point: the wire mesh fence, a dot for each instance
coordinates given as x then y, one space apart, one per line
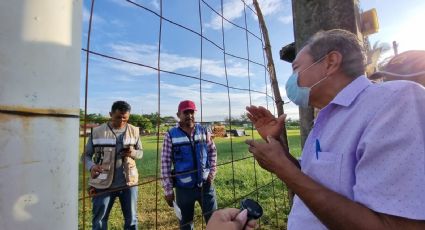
154 54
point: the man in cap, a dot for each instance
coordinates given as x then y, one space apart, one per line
363 163
188 163
409 65
110 157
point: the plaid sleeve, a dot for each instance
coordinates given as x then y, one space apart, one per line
167 182
212 155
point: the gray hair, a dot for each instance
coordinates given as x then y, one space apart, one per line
342 41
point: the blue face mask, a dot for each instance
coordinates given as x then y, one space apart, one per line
297 94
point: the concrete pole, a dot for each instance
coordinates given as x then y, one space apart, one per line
313 16
40 45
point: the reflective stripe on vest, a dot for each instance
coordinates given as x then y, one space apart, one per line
129 141
104 141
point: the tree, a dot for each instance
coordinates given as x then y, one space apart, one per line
290 122
99 119
170 120
244 118
374 55
153 117
92 118
140 121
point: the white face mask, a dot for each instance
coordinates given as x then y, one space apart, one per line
297 94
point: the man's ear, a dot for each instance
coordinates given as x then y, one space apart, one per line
110 114
333 62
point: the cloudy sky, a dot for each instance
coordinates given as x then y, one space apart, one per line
129 32
401 21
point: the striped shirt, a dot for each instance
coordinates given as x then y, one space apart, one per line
166 161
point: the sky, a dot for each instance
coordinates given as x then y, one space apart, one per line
131 32
400 21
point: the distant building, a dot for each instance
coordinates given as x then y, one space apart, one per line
89 127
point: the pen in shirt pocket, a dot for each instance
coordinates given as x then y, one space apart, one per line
318 149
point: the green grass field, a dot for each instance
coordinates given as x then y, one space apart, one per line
242 178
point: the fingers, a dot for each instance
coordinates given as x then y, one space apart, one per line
252 118
96 169
281 119
228 218
169 199
271 140
254 146
251 109
254 111
264 112
241 218
231 213
249 142
251 225
255 151
225 215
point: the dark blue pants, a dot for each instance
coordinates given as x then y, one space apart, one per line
102 206
186 198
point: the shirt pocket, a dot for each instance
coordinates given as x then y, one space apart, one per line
108 155
326 169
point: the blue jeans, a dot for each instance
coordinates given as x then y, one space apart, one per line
102 206
186 198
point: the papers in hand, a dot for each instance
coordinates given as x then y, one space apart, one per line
177 210
102 176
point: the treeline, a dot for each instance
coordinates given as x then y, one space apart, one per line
148 121
144 121
243 119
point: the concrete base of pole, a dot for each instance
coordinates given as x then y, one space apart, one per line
40 48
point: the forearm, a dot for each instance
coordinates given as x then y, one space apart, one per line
88 162
167 181
138 151
167 185
138 154
166 163
88 154
336 211
212 157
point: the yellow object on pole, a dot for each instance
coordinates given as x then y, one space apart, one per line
369 22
